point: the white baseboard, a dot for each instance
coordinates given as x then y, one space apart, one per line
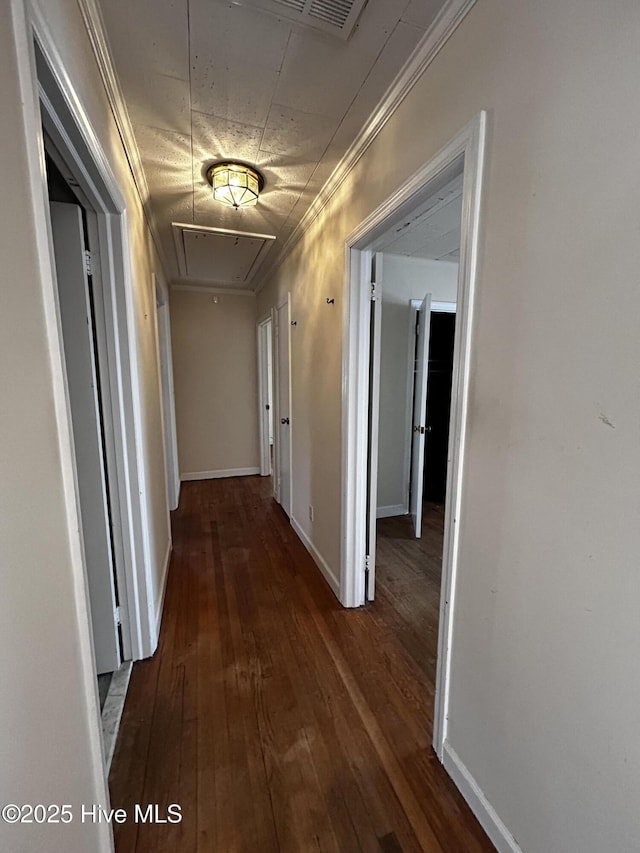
163 590
223 472
390 511
318 559
480 806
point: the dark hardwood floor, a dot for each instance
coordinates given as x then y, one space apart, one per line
408 572
278 720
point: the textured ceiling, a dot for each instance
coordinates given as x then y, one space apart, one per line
205 80
432 230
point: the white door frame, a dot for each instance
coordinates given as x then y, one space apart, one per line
277 379
376 279
275 333
55 106
167 393
467 152
263 392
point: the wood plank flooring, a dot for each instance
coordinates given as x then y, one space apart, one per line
278 720
408 572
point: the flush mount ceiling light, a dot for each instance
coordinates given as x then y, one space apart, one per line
235 184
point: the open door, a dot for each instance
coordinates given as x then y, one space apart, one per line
76 316
374 411
283 425
265 395
423 325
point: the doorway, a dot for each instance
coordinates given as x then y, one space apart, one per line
462 159
410 527
88 186
265 397
440 376
87 386
282 398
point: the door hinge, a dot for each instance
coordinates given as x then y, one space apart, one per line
367 565
116 615
88 262
373 292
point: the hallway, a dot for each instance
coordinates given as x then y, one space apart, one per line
276 719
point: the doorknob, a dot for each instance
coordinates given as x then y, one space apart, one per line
284 420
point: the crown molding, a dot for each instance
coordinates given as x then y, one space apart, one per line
94 25
434 39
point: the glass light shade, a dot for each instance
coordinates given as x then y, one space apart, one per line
235 184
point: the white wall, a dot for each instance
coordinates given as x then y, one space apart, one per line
216 382
544 696
404 279
49 719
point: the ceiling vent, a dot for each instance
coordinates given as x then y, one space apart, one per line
219 256
337 17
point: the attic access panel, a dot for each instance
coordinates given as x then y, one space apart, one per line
337 17
218 255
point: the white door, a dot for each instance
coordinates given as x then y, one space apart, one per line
273 403
375 328
265 396
419 433
283 424
269 354
82 381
